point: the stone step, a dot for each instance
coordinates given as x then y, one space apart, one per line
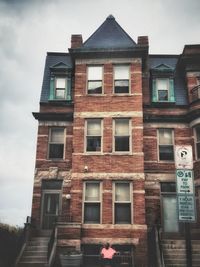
35 253
33 259
36 248
32 264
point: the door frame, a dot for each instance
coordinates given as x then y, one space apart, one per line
48 191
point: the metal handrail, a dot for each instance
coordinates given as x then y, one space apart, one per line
23 239
159 250
52 246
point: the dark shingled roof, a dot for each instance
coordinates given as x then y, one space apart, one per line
52 60
109 35
179 84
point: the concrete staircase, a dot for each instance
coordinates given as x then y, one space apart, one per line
175 255
35 253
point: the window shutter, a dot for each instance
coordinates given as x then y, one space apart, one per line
154 91
68 89
51 93
171 91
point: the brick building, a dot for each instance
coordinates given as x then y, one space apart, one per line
110 116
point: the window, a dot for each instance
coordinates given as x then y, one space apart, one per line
94 85
93 135
121 79
60 88
197 130
121 135
166 148
163 90
122 203
92 202
56 143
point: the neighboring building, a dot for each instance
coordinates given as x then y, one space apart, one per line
110 117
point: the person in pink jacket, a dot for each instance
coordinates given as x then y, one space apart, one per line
107 254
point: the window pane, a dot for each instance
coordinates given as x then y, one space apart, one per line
95 73
166 153
165 137
57 135
121 72
92 213
94 127
60 93
198 150
162 95
122 213
60 82
92 192
122 143
122 192
94 87
56 151
168 187
162 84
121 86
121 127
93 144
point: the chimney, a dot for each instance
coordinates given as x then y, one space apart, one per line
143 40
76 40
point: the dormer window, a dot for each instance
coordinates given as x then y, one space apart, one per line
162 84
60 82
60 86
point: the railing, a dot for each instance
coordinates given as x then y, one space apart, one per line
52 246
159 246
155 247
24 237
195 93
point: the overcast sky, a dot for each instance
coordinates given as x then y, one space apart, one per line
28 29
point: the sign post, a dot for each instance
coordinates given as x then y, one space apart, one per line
185 193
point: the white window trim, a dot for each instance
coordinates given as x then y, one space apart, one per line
130 137
173 144
55 88
102 80
113 201
129 80
100 201
85 139
168 91
64 143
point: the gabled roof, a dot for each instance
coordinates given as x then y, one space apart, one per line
109 35
60 65
162 67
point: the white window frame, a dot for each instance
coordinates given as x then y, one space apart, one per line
130 136
125 202
90 80
168 91
101 136
97 202
49 142
114 79
62 88
158 143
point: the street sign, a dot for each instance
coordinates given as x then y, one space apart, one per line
186 208
183 157
184 182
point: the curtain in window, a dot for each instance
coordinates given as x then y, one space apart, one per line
162 84
95 73
121 72
121 127
92 192
94 127
60 83
122 192
165 137
57 135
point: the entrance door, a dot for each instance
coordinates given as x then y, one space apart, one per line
170 217
50 210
